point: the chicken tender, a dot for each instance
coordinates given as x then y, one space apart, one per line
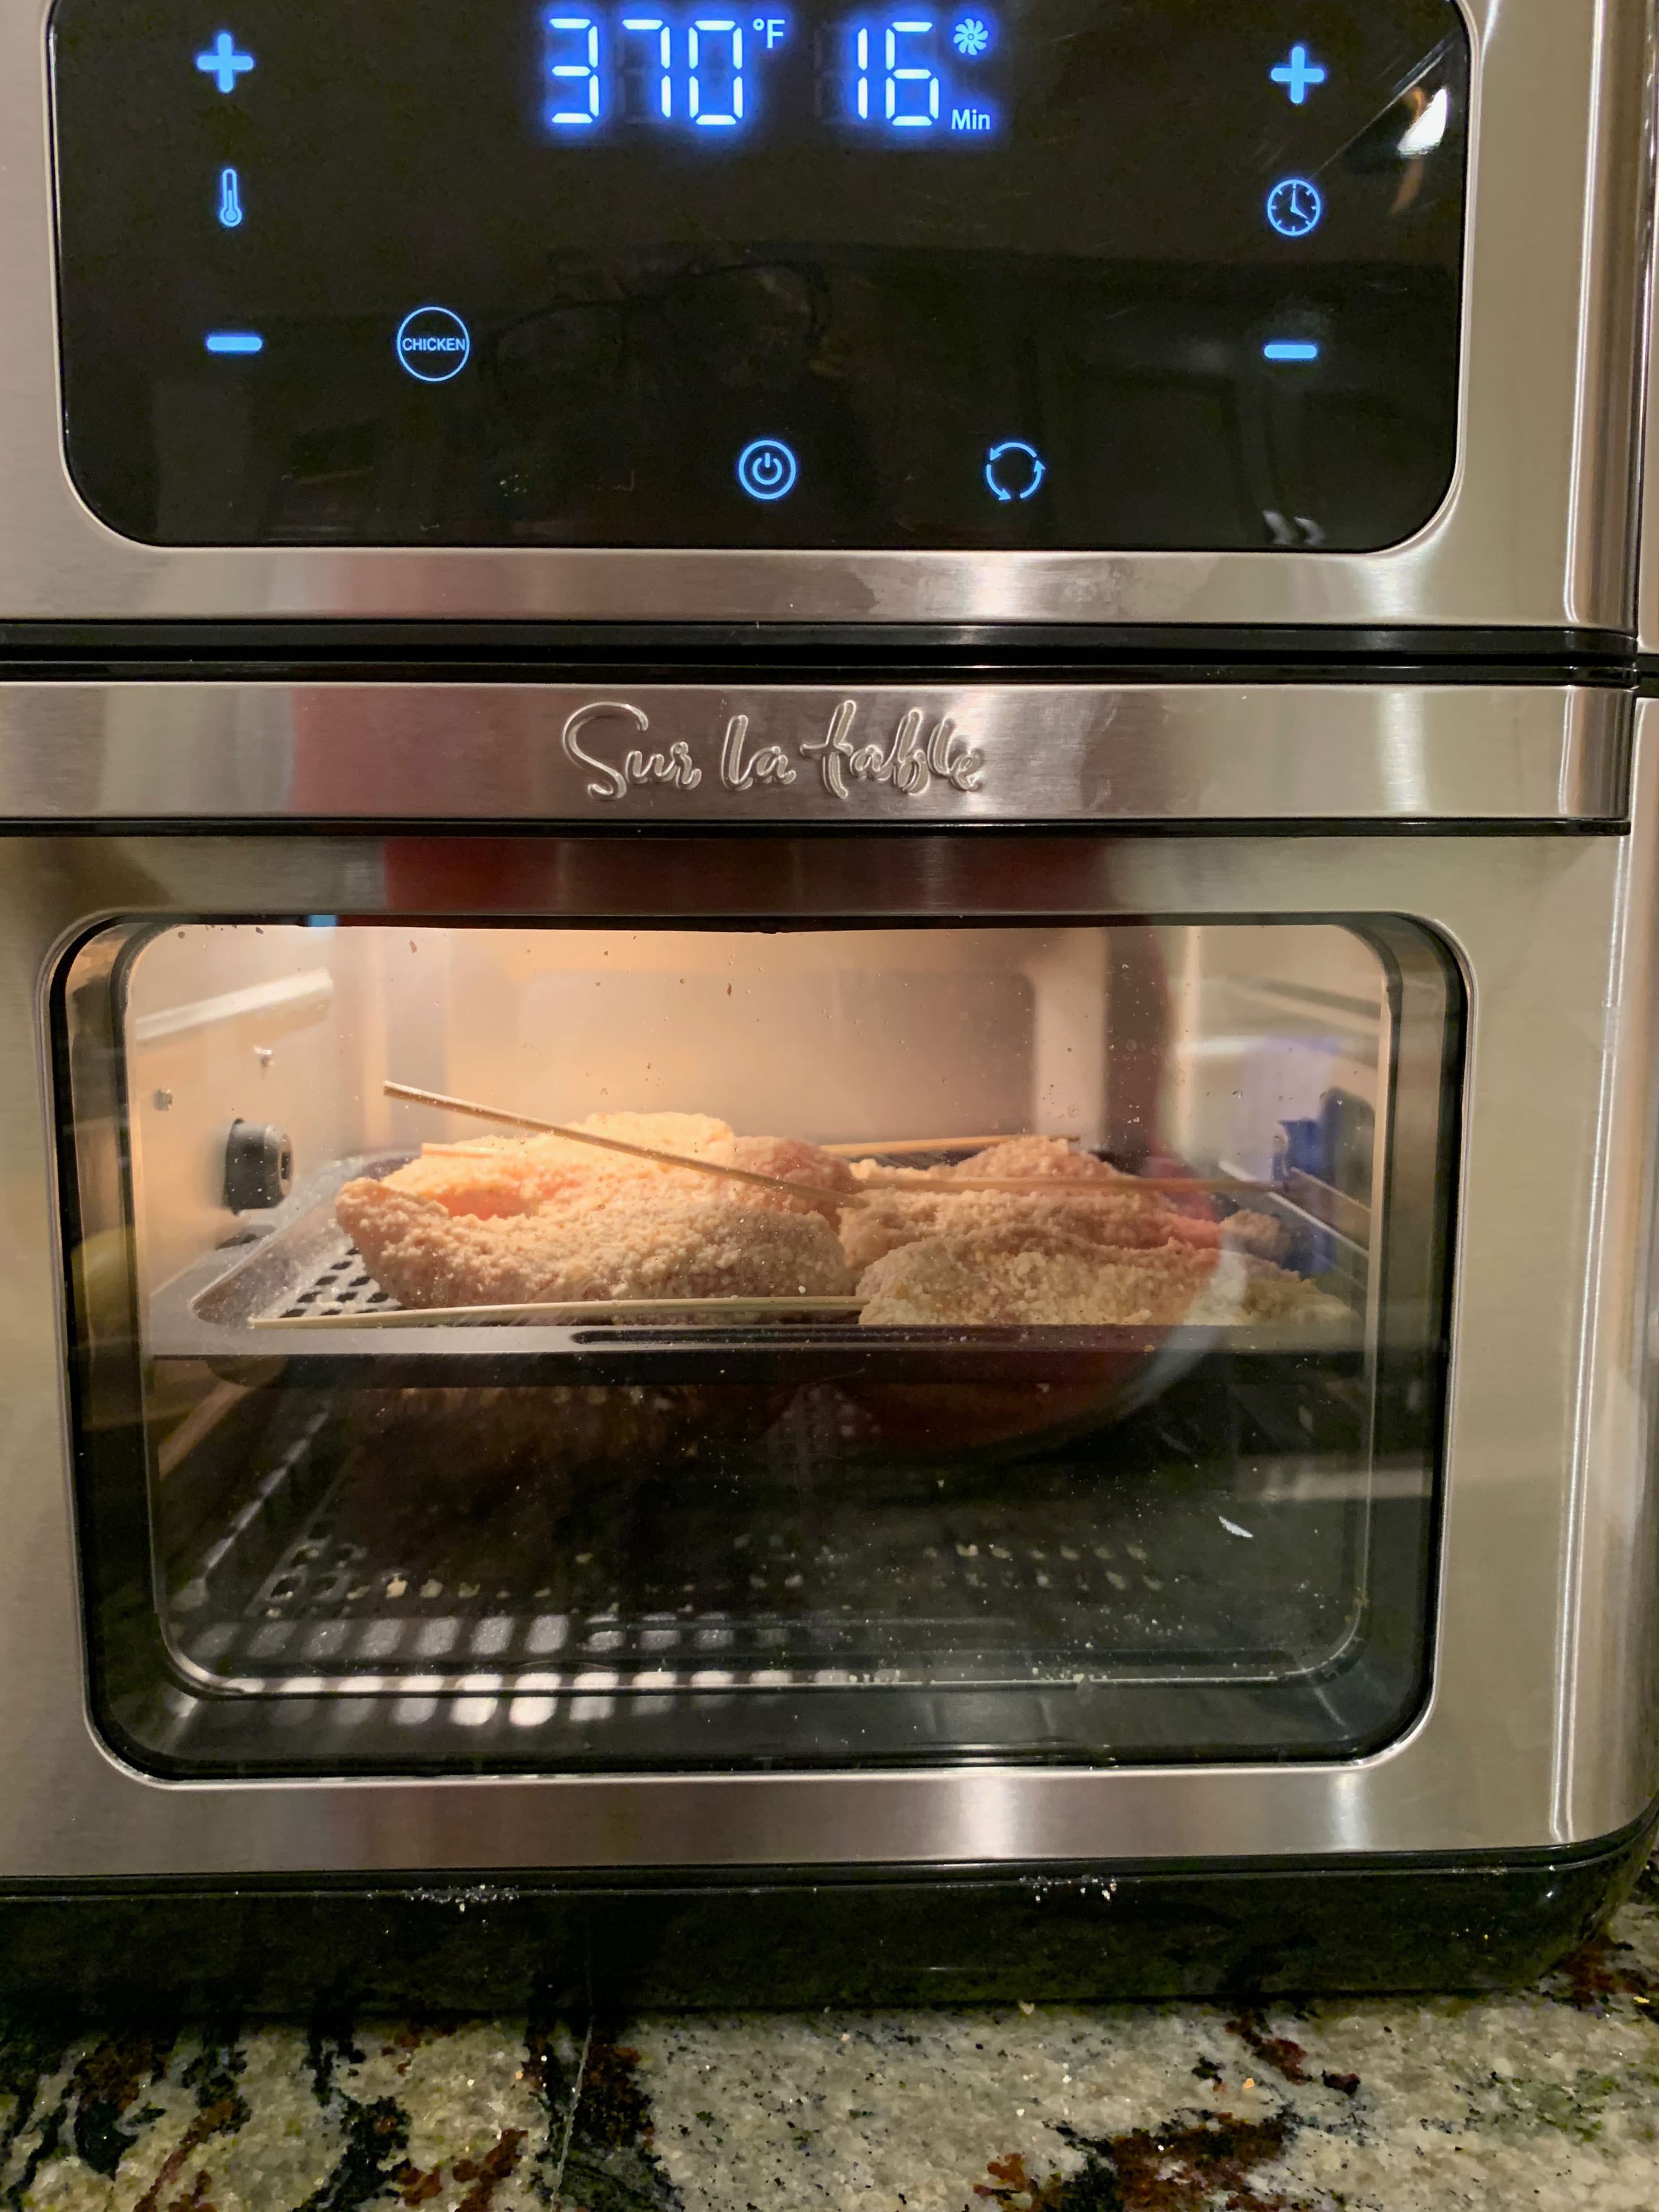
890 1219
792 1161
1010 1160
1016 1157
556 1161
1011 1278
622 1237
486 1180
1091 1201
493 1176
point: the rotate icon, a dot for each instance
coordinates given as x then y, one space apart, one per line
1014 470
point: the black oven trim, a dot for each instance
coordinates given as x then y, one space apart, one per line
482 652
169 1949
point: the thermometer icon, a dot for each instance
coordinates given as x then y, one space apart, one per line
230 198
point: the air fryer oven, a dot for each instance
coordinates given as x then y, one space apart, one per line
1002 640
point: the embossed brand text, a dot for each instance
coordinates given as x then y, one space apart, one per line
908 761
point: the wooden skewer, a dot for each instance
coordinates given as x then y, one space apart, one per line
872 1145
448 1105
1064 1186
912 1179
898 1179
566 1310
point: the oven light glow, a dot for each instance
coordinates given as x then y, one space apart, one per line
1423 135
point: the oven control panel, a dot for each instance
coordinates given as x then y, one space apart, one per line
1073 274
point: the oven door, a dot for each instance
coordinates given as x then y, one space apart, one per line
1354 346
1172 1382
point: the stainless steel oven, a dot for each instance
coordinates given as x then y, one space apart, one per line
827 1062
1176 1460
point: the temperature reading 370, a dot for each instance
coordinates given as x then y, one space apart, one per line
917 75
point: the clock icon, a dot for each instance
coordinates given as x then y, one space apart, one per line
1294 207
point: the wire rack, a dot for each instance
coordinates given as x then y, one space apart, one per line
786 1562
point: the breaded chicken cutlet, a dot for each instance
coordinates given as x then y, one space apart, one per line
1015 1277
549 1219
522 1221
1091 1199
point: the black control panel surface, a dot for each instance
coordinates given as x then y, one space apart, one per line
1091 274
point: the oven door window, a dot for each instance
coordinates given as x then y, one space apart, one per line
1001 1343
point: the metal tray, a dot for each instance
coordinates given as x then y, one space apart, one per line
305 1264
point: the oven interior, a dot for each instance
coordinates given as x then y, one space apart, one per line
1035 1483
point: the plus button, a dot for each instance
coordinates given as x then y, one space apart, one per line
1299 75
223 63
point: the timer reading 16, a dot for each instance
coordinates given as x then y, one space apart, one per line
710 72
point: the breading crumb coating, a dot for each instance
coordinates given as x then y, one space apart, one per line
628 1237
1013 1278
506 1221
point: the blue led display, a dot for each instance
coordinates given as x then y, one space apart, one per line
692 71
914 74
895 78
1295 206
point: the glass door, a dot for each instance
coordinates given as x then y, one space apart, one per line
576 1348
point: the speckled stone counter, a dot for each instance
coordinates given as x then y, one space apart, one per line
1546 2099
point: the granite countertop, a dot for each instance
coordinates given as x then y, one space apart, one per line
1546 2099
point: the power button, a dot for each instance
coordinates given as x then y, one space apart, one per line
767 469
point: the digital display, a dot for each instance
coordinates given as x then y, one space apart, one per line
1067 273
912 71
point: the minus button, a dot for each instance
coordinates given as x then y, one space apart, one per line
1289 350
234 342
